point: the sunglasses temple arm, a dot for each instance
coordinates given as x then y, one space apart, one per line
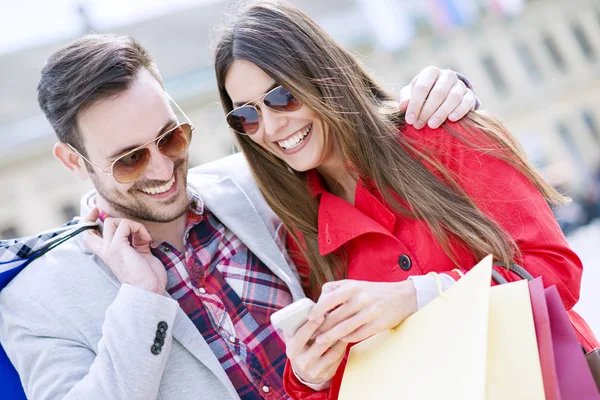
178 108
88 161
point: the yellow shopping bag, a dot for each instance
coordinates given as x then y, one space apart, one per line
472 342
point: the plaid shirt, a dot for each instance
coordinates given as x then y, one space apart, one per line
229 294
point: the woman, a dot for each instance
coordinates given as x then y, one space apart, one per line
368 201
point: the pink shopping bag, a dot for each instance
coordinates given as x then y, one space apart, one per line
575 380
543 331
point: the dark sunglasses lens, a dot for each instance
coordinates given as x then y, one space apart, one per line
244 120
281 99
131 166
176 141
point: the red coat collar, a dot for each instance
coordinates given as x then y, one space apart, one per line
339 221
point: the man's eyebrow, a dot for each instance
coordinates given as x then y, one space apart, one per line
162 130
241 103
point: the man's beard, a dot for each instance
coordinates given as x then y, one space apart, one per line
132 206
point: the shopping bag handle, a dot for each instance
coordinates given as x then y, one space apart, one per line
514 268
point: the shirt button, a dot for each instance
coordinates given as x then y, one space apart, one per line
266 389
232 339
166 249
404 262
202 290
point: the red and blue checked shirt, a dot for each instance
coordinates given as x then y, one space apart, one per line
229 294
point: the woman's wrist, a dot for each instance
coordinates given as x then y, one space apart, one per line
317 387
407 304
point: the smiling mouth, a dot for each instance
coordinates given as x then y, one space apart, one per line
162 188
295 141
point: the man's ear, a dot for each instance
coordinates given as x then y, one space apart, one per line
71 160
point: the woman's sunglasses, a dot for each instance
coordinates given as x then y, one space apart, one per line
245 119
131 165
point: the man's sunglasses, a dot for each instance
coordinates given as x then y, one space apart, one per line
131 165
245 119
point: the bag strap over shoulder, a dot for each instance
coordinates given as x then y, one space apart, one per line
29 248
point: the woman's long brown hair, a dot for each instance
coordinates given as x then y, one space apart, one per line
292 49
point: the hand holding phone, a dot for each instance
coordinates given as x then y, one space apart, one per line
292 317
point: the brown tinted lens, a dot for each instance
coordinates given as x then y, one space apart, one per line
244 120
176 141
281 99
131 166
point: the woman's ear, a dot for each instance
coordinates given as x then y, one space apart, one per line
71 160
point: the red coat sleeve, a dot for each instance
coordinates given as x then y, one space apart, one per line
291 384
507 197
299 391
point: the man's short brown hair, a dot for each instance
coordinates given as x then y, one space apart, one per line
92 68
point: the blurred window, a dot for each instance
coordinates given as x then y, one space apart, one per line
524 53
9 232
567 137
555 53
583 41
493 72
590 123
574 150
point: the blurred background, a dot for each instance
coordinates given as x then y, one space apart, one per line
534 63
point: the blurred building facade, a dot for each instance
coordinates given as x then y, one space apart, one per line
537 67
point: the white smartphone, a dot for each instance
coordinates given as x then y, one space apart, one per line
292 317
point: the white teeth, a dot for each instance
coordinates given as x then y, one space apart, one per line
295 140
160 189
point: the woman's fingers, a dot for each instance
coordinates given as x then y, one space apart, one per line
298 343
329 301
328 364
341 313
345 328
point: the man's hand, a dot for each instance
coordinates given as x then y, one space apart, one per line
434 96
125 248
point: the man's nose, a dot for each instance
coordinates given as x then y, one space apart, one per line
160 167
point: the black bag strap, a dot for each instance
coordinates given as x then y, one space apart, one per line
60 239
30 248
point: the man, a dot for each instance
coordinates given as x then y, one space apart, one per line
172 299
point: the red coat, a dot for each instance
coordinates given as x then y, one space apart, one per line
384 246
